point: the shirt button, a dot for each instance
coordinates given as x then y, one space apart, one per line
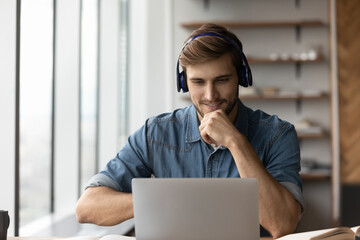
212 157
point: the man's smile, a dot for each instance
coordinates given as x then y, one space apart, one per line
213 106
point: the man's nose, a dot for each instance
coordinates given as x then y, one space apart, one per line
211 92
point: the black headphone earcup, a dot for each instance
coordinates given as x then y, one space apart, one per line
182 81
243 81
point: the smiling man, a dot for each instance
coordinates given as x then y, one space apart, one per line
216 136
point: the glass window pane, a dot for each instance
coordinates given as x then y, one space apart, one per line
35 108
89 69
123 72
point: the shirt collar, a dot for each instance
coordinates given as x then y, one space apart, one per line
192 130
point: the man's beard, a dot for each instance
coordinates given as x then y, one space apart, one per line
228 108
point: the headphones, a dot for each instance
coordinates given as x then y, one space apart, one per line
243 71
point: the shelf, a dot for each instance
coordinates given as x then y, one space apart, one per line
319 135
279 60
237 24
276 97
315 176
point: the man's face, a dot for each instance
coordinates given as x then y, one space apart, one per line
213 85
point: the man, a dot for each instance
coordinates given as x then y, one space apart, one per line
216 136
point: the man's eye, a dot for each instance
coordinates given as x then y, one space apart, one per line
220 80
197 82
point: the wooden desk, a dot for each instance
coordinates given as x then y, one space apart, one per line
51 238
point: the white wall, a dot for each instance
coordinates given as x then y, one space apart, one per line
150 61
7 108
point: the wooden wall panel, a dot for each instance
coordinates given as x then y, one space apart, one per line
348 49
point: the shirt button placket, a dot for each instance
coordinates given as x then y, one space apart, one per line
210 166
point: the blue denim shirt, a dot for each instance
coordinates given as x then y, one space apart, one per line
170 146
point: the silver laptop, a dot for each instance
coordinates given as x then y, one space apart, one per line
196 208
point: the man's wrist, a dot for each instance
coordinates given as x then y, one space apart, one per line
236 141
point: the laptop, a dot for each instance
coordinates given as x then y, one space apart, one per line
196 208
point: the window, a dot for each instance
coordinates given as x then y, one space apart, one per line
36 46
60 84
88 90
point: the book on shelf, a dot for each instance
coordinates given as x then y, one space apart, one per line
311 93
339 233
307 127
310 130
288 93
312 166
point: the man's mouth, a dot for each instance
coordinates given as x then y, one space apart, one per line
213 106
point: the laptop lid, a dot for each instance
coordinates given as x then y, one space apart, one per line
196 208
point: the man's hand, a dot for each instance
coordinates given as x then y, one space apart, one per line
216 128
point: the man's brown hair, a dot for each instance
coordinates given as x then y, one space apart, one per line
206 48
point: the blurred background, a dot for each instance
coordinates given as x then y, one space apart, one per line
78 76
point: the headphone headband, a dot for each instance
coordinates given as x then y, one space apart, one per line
244 71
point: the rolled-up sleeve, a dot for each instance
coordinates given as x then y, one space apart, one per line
284 161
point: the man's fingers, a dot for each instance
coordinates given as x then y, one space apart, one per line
206 138
205 127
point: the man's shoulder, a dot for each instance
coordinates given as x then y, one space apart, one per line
176 116
170 129
261 118
268 126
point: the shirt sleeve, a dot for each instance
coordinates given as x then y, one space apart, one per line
296 192
130 162
283 161
101 179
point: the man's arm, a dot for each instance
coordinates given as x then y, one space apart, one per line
104 206
107 199
279 211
